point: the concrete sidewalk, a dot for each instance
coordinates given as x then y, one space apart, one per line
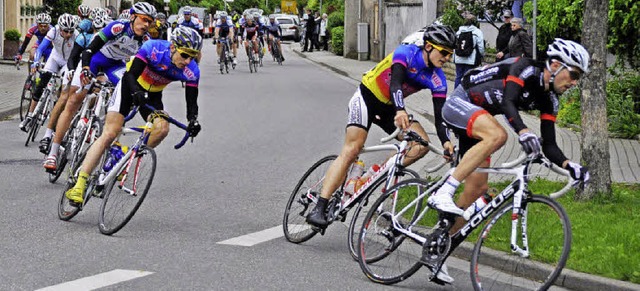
625 153
625 156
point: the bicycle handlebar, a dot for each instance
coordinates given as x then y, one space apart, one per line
167 118
540 159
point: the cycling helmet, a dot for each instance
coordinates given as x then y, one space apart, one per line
272 17
186 38
186 10
43 18
440 35
67 21
124 15
143 8
223 14
84 10
84 25
569 52
95 12
100 21
161 16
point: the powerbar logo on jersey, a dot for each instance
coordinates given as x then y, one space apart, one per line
435 79
527 72
189 74
117 28
484 75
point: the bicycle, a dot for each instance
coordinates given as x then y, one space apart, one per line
132 174
225 58
43 107
84 129
254 58
275 51
305 194
542 221
28 89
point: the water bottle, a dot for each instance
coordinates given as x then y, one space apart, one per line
114 155
365 177
354 177
477 206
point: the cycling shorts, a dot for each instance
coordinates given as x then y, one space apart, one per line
57 64
365 109
459 114
114 69
122 102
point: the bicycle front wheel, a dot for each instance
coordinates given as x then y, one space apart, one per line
122 201
386 255
25 98
296 229
376 190
546 228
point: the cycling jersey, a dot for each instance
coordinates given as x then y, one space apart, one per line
273 28
193 23
251 30
224 27
419 76
504 88
160 71
33 31
61 46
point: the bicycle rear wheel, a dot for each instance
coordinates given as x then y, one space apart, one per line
385 255
296 229
548 233
62 163
122 201
376 190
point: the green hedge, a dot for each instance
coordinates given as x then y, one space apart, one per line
12 35
623 105
335 19
337 40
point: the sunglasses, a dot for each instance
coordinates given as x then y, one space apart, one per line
68 30
145 18
573 73
443 50
187 53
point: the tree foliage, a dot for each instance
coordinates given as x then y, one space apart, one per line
564 18
55 8
490 10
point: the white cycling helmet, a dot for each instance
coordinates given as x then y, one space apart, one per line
67 21
144 8
100 21
125 15
43 18
570 53
84 10
186 10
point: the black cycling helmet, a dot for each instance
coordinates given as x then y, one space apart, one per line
442 35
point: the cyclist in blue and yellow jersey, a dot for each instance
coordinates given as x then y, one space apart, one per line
191 21
87 30
224 28
157 63
274 31
380 99
107 53
39 30
505 88
61 37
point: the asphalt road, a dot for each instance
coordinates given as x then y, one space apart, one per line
260 133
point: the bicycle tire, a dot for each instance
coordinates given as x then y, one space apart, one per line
544 236
296 229
62 163
383 255
362 207
25 98
113 202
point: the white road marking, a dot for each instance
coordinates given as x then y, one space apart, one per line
255 238
98 281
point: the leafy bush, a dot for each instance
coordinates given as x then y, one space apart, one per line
451 15
337 40
12 35
336 19
623 105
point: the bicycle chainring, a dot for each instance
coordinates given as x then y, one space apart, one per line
436 247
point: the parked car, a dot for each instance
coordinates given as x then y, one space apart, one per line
291 28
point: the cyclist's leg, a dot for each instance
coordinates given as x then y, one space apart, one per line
44 79
160 128
355 137
254 39
280 48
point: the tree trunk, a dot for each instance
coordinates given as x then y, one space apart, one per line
595 140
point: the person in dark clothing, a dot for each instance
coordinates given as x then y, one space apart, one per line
308 36
504 35
520 44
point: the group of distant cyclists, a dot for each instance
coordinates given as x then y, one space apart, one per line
91 45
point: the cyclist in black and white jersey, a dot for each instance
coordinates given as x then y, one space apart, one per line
505 88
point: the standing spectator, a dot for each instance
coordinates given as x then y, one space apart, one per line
316 30
470 42
323 33
516 8
520 44
504 35
310 28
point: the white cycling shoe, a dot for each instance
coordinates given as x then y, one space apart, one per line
444 203
443 275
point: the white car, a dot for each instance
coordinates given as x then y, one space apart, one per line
291 29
